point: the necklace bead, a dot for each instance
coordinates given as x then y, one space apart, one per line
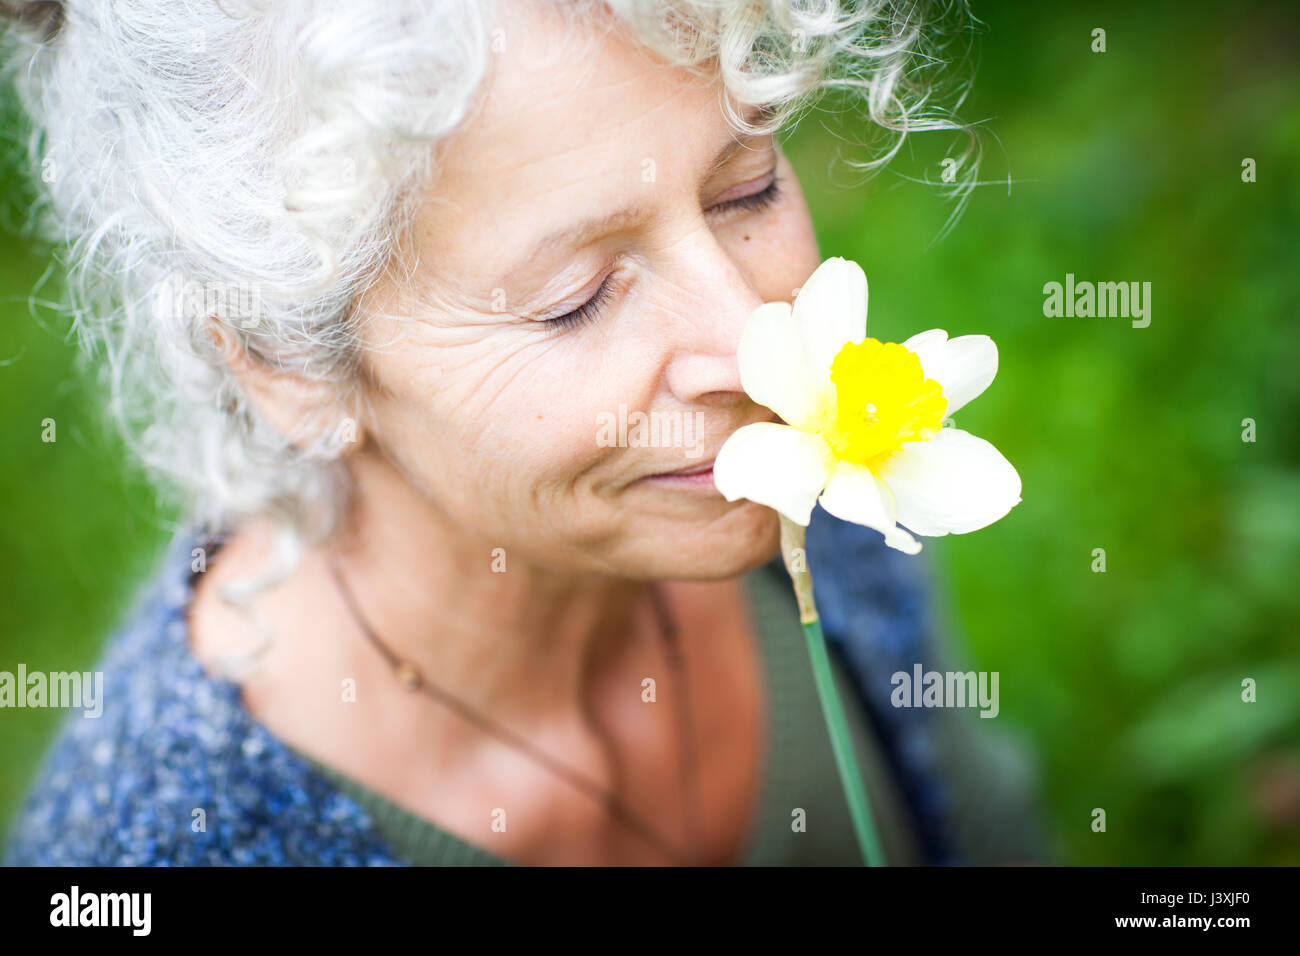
408 676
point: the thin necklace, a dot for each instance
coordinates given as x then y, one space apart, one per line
412 679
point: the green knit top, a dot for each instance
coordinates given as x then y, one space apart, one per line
799 770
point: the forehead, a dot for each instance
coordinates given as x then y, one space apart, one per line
572 115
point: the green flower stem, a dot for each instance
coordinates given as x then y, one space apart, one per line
796 563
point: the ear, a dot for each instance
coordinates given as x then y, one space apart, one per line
303 411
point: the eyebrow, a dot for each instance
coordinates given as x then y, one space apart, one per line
584 230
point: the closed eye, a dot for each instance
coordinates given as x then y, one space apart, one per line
759 200
584 313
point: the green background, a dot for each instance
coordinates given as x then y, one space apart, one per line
1124 166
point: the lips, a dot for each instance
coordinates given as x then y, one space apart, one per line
686 472
705 467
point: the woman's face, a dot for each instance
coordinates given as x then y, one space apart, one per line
594 183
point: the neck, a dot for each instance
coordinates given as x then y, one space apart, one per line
500 632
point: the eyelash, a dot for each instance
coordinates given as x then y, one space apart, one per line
589 310
585 312
759 200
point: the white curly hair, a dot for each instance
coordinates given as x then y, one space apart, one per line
257 160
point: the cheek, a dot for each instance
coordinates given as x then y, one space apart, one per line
491 427
781 251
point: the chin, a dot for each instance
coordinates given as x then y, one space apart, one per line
745 537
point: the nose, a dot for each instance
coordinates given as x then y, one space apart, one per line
712 299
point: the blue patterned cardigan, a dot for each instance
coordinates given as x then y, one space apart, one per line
124 788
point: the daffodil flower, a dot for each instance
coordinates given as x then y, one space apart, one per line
862 428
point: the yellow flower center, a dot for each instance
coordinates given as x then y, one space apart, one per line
882 399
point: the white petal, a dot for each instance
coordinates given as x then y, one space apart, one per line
953 483
773 369
854 495
964 366
831 309
775 465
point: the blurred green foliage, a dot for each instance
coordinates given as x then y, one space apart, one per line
79 528
1115 166
1124 166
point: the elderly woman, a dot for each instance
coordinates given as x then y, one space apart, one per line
364 279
